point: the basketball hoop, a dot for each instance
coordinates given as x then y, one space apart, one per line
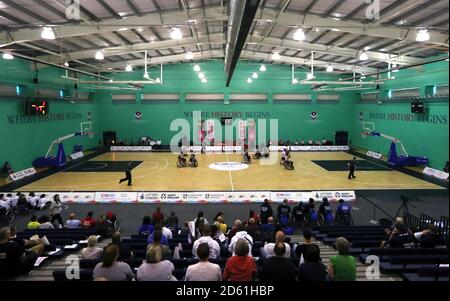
89 134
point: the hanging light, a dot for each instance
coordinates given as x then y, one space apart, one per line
99 55
249 80
201 75
176 34
299 35
197 68
330 68
146 75
423 35
158 80
255 75
189 55
309 76
276 56
363 76
128 68
66 63
204 80
263 68
111 80
8 56
295 81
48 33
363 56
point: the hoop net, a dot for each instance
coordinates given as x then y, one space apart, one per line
86 129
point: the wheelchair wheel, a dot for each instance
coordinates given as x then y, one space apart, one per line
194 164
180 165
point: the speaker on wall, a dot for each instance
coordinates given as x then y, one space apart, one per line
341 138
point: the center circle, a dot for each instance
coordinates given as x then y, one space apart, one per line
228 166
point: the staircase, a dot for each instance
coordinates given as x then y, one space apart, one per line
327 251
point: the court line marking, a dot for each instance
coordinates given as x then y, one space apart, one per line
229 173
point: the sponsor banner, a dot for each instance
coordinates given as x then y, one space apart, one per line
230 149
214 149
131 148
435 173
116 197
374 155
76 197
334 196
292 197
311 148
76 156
22 174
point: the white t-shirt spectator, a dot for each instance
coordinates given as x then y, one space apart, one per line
4 204
268 249
167 232
12 201
119 271
161 271
42 201
214 248
73 224
33 201
204 271
46 225
91 253
241 235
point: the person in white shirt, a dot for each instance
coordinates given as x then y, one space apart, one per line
91 251
153 269
167 233
204 270
33 200
12 200
241 234
44 223
3 203
214 248
42 201
73 223
269 248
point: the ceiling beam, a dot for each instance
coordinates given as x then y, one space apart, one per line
26 11
423 6
395 10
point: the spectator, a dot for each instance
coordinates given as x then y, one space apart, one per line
164 240
301 249
266 211
158 216
252 214
241 234
429 238
240 267
88 222
147 227
43 202
253 229
72 222
219 214
343 266
124 251
110 269
16 260
153 269
278 268
91 251
268 230
203 270
269 249
167 232
172 221
234 229
399 237
157 236
283 212
312 269
3 203
56 208
44 223
22 202
103 226
33 201
223 228
198 227
214 247
25 244
298 214
33 223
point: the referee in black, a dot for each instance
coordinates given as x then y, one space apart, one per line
128 176
352 168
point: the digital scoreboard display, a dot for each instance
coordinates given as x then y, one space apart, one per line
37 107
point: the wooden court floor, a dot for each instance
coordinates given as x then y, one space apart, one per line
158 172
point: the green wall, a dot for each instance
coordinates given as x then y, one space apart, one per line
22 142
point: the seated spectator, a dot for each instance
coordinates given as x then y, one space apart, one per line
72 222
166 253
214 247
218 214
278 268
158 216
223 228
147 227
153 269
268 230
269 249
399 237
312 269
253 230
164 240
301 249
166 232
33 223
44 223
91 251
343 266
234 229
125 252
14 258
172 221
240 267
22 202
88 222
265 212
252 214
33 201
429 238
25 244
103 226
241 234
42 202
110 268
203 270
4 205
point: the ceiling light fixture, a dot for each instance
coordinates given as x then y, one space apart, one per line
255 75
128 68
8 56
201 75
299 35
189 55
66 63
263 68
363 56
276 56
204 80
423 35
197 68
330 68
146 75
249 80
176 34
309 76
48 33
99 56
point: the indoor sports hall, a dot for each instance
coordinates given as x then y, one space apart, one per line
258 126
